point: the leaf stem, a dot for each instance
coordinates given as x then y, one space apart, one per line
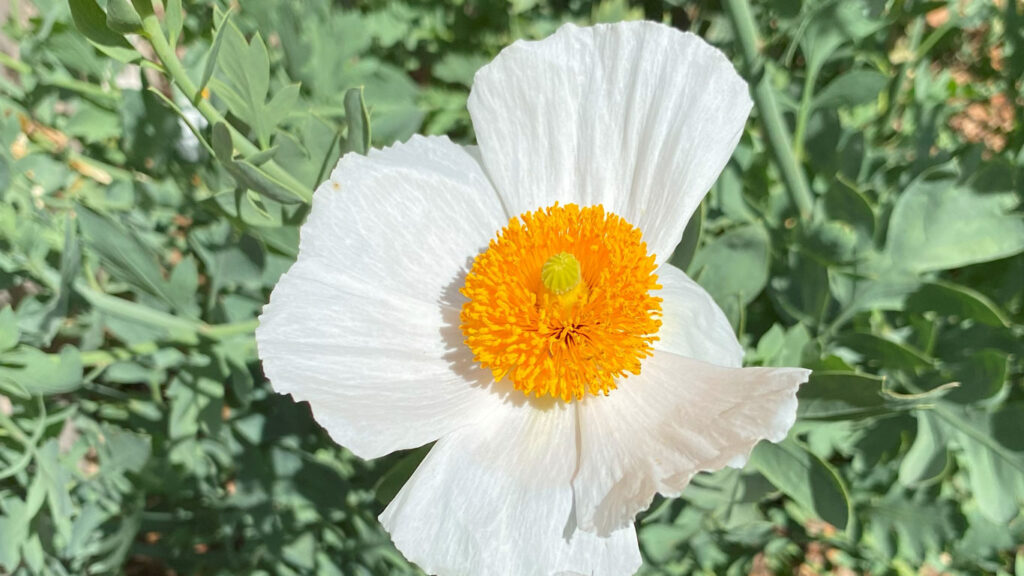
14 64
177 329
104 357
804 113
775 128
174 69
225 331
105 98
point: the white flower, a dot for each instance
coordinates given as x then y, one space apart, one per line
619 376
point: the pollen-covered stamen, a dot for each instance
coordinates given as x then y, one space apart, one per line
561 304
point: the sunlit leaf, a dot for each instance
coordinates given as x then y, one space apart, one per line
92 22
805 478
733 267
122 17
358 120
37 372
939 224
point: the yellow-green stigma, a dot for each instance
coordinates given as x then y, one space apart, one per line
561 273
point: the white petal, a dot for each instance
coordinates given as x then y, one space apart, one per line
636 116
406 219
365 324
496 499
678 417
692 324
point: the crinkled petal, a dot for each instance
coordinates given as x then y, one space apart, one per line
406 219
365 324
678 417
496 499
692 324
636 116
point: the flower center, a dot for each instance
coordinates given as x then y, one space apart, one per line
561 273
560 302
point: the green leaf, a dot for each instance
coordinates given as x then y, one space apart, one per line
844 229
70 261
687 248
124 451
37 372
121 17
184 285
981 375
94 124
247 174
213 55
997 486
829 395
33 555
927 457
139 316
127 258
1005 427
831 24
456 68
876 284
661 542
222 144
240 261
885 352
782 347
301 553
194 402
805 478
852 89
284 102
244 79
951 299
144 7
15 525
58 486
982 430
920 527
313 153
174 19
92 23
262 157
9 332
5 175
733 268
358 120
802 290
259 181
396 476
85 526
939 224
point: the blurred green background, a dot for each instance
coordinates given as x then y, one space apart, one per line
869 227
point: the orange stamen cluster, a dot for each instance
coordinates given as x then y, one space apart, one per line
564 345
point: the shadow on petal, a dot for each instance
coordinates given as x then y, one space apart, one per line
460 357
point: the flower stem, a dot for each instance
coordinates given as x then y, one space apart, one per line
174 69
779 139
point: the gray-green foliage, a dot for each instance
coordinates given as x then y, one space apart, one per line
147 212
